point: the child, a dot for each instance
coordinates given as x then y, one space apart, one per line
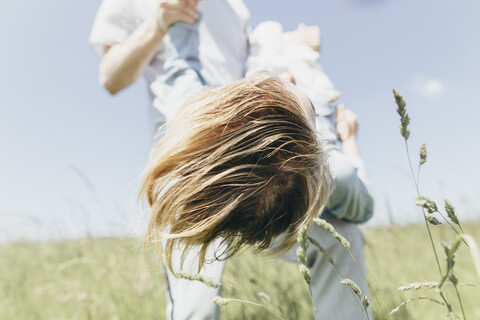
242 164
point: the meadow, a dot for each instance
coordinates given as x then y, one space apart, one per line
120 279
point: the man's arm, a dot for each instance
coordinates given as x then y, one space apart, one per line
123 63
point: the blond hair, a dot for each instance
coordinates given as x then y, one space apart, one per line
241 163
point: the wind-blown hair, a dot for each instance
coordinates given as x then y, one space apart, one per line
241 163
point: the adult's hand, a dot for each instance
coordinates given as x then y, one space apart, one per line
171 11
123 63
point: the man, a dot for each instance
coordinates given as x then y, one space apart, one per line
130 36
134 33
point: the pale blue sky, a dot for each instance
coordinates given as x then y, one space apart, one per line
71 154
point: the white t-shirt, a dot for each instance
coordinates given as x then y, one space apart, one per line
223 38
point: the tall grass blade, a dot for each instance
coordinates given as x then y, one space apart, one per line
474 252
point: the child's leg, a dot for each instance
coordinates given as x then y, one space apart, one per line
182 76
304 64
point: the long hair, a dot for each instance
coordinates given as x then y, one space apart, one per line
241 163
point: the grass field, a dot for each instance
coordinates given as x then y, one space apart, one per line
118 279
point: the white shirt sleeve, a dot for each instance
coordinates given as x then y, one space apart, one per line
113 24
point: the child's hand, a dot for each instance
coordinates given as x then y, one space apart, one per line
346 123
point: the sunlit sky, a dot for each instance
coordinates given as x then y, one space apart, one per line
71 154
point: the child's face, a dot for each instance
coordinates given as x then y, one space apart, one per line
302 98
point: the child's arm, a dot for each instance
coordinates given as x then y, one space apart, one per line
352 199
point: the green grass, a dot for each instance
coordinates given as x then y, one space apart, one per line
398 256
117 279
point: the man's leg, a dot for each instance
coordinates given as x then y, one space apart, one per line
334 300
187 299
349 199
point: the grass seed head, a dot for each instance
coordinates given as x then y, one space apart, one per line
322 250
433 221
423 154
426 203
450 209
198 277
305 273
302 255
302 237
327 226
220 301
402 112
365 302
418 285
352 285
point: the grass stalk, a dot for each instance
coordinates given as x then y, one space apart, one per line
368 284
423 210
223 301
328 227
450 224
256 303
403 304
448 305
460 301
313 301
330 260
